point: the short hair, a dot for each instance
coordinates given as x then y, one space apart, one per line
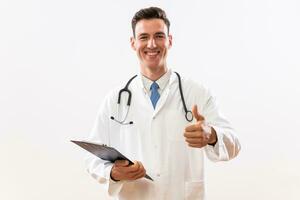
149 13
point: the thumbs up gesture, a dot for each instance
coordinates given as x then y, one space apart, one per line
199 134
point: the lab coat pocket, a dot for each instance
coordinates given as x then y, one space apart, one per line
130 141
194 190
129 133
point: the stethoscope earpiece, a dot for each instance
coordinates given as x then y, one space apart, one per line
121 122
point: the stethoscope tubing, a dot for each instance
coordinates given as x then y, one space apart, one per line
188 114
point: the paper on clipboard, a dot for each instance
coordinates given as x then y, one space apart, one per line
104 152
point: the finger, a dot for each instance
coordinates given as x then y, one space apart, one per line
130 169
128 172
193 134
117 174
194 127
142 169
121 163
196 114
133 168
138 173
141 174
125 172
194 140
197 145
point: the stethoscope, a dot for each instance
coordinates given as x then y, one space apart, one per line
188 114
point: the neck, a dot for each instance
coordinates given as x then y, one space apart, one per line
154 73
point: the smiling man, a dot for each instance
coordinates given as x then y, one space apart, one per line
150 121
151 41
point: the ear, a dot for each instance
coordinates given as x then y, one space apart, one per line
132 43
170 38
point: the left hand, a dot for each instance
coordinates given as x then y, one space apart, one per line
199 134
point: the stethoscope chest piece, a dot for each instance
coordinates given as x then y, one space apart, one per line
189 116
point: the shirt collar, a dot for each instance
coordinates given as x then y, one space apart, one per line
162 81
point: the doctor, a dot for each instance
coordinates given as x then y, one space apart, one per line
157 129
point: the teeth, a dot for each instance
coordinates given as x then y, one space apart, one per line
151 53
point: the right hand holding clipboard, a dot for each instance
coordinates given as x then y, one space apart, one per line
122 170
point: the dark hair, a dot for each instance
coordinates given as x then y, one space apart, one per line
149 13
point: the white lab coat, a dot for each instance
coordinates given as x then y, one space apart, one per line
156 139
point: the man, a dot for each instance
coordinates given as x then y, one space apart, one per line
154 129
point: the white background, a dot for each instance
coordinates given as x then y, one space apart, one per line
59 58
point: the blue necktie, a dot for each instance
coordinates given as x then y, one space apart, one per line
154 93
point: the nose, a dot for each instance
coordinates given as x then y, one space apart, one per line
151 43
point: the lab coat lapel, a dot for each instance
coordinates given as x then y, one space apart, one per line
162 100
164 96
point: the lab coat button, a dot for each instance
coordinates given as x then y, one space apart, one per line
158 175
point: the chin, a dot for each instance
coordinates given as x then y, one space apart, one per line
153 65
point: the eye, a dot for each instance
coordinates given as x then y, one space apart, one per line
143 37
161 36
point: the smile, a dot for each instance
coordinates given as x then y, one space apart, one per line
152 53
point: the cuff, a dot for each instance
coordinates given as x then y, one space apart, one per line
213 130
217 152
113 187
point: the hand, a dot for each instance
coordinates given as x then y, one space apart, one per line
199 134
121 170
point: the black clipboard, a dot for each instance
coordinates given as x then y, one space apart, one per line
104 152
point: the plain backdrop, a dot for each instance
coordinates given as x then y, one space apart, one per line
59 58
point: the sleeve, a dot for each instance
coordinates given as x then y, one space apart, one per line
98 168
228 145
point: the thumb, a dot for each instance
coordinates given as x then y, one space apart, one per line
196 114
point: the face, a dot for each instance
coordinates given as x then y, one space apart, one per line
151 43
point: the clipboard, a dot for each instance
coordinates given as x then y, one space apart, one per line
104 152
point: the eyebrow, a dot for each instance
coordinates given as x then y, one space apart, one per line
146 34
143 34
160 33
